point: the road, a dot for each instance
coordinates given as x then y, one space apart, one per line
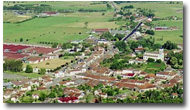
113 5
12 76
134 30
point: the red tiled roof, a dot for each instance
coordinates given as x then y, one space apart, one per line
67 99
14 56
14 48
139 48
42 50
101 30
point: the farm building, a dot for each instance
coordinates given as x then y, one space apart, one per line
174 28
161 28
48 14
42 50
14 56
29 54
14 48
100 30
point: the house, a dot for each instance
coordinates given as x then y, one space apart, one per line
34 82
41 88
136 61
91 40
122 96
103 95
7 85
132 55
174 95
66 83
139 50
100 30
180 46
48 14
143 74
168 75
68 100
7 94
149 20
103 41
150 76
128 75
154 55
59 74
25 87
35 96
146 86
14 98
76 71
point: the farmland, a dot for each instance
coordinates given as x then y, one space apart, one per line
59 29
173 36
162 9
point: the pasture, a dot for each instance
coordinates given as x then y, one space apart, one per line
62 28
9 16
173 36
53 63
64 5
162 9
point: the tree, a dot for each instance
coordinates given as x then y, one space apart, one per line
13 65
173 61
42 96
29 69
54 45
121 45
132 18
169 45
150 60
42 71
151 32
158 61
86 24
21 39
118 77
180 62
52 95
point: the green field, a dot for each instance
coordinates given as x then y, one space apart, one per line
162 9
68 5
53 63
173 36
66 27
151 67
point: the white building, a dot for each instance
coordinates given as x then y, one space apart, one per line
154 55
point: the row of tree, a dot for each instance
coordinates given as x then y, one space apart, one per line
13 65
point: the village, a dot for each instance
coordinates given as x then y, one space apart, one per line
87 71
108 66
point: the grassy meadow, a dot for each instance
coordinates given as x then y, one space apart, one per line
53 63
162 9
62 28
173 36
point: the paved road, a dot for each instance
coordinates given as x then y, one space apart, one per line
12 76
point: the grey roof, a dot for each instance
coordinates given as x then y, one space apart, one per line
7 84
